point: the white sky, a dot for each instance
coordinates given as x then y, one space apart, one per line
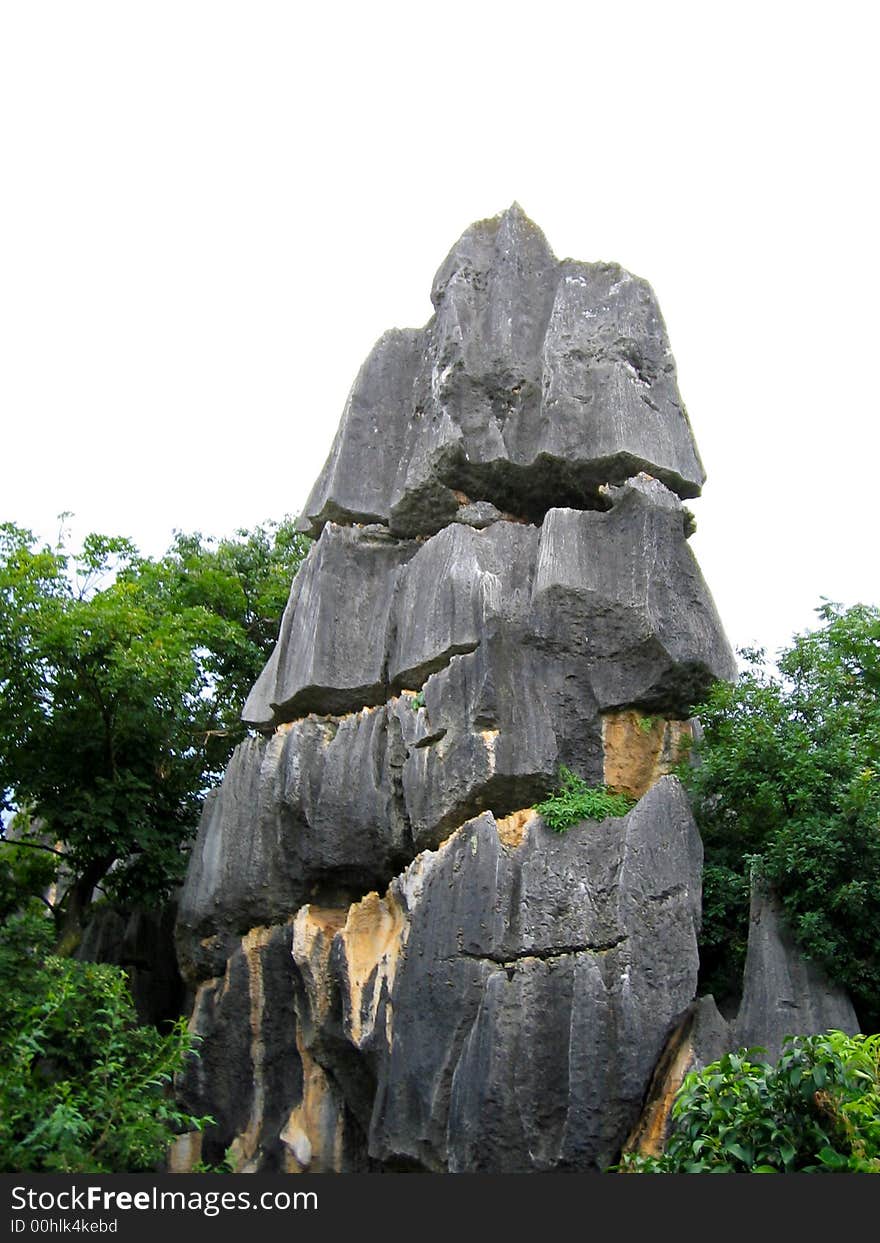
210 211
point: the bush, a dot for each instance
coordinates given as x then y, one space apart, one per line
817 1111
84 1089
575 801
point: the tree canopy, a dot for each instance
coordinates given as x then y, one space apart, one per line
121 683
787 779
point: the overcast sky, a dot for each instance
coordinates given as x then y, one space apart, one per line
210 211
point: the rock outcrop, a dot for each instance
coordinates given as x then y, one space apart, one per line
535 383
142 942
702 1037
784 993
396 964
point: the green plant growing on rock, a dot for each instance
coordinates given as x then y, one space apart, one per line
576 800
817 1111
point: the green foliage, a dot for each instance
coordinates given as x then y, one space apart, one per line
84 1088
788 773
725 927
816 1111
121 682
239 587
23 873
575 800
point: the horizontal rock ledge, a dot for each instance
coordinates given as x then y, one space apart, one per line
619 590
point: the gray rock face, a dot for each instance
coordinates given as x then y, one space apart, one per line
535 381
598 610
628 586
784 994
460 584
326 659
501 1009
314 813
537 991
501 585
142 942
620 589
491 743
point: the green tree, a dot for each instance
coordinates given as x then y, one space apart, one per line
816 1111
83 1088
788 779
121 683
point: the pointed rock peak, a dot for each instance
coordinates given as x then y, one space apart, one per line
515 217
487 242
512 217
515 226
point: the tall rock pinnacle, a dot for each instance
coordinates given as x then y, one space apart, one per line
396 964
535 382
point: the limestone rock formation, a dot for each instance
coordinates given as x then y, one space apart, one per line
396 965
702 1036
535 382
141 941
784 993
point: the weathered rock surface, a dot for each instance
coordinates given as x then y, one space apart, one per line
142 942
274 1109
330 654
396 965
535 382
537 990
473 620
618 589
501 1008
624 587
313 813
702 1037
784 993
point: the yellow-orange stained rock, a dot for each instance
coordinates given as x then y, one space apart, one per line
314 928
649 1135
512 828
639 750
244 1148
490 739
373 933
204 990
313 1133
372 938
